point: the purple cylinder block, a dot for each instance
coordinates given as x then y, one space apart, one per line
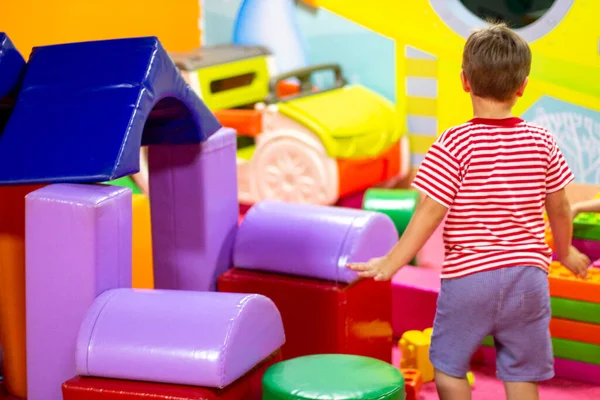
311 241
78 244
194 206
179 337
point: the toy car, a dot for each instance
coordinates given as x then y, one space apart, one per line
297 142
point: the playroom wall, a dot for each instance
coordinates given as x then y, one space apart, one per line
408 53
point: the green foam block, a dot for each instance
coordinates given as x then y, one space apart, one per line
333 376
587 226
575 310
125 181
568 350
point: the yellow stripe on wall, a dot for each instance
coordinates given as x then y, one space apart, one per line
421 106
420 143
421 68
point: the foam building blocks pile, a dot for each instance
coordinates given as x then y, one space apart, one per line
71 119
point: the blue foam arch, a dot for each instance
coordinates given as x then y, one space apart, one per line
12 66
85 108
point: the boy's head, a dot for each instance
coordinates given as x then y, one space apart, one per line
496 63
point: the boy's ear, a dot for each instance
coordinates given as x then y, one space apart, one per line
521 88
465 83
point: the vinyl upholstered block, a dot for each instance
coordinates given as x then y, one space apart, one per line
203 339
323 317
311 241
248 387
195 211
78 245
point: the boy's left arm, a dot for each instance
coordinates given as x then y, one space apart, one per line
427 217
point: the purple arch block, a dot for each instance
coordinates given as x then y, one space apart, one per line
194 208
78 245
204 339
311 241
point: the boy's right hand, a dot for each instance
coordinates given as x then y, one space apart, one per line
576 262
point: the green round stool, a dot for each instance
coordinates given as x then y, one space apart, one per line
333 376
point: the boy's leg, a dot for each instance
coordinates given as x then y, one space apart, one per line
466 311
451 388
522 337
521 390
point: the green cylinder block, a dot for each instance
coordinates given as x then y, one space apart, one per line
333 376
398 204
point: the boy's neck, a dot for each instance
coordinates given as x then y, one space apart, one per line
491 109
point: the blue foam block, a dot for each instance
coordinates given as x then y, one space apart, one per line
12 66
85 108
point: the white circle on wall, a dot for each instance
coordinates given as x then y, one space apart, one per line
462 21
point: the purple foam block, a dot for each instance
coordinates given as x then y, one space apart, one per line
591 248
311 241
204 339
568 369
194 207
78 245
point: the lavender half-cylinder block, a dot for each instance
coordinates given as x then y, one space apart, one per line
204 339
78 245
311 241
194 208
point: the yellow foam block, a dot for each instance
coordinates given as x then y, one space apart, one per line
421 106
421 68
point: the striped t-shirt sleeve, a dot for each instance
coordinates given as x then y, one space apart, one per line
559 174
439 175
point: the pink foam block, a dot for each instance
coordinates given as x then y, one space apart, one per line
568 369
414 296
589 247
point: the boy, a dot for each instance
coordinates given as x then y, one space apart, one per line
493 174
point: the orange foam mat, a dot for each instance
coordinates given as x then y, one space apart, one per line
575 330
564 284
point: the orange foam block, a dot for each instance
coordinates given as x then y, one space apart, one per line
142 274
575 330
566 285
12 286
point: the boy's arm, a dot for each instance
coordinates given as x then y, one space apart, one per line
586 206
561 223
427 218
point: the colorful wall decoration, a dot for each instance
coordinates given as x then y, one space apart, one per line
424 40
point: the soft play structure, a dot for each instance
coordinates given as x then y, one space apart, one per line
72 325
298 142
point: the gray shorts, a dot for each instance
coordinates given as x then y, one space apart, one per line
511 304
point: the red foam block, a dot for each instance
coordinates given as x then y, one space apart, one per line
248 387
414 296
323 317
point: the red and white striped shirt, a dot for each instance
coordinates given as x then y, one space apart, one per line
493 175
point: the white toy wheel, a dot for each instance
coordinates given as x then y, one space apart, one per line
287 168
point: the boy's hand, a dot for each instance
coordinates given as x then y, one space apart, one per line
575 210
380 269
576 262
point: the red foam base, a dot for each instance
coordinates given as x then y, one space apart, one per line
323 317
86 388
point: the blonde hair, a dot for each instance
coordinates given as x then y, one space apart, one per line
496 61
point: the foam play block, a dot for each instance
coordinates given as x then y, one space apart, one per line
12 287
591 248
323 317
575 310
568 349
248 387
567 369
414 297
181 337
193 197
587 226
311 241
566 285
575 331
78 245
398 204
142 273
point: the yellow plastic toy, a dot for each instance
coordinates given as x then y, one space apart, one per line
415 353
